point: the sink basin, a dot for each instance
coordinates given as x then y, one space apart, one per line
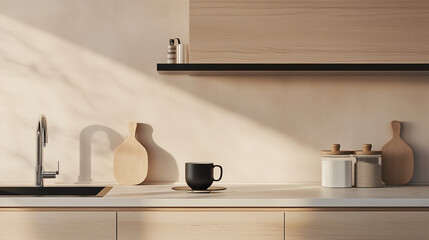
55 191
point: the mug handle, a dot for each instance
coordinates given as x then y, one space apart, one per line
221 172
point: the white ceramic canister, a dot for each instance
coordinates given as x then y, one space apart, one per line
337 167
181 53
368 167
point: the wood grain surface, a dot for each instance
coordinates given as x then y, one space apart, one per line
397 159
130 164
307 31
357 225
57 225
200 225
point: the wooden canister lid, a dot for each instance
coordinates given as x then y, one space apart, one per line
335 150
366 150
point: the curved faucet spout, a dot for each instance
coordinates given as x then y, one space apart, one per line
42 140
43 128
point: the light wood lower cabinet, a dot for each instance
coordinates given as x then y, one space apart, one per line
201 225
190 224
339 225
57 225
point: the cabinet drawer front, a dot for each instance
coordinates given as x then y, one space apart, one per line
57 225
357 225
200 225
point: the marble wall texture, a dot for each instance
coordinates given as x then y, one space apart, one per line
90 66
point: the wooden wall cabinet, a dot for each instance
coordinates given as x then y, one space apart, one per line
54 225
309 31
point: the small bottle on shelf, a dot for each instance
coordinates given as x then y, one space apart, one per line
171 52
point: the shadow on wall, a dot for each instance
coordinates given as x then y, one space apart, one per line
162 165
420 151
85 142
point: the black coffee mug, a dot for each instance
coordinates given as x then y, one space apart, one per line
199 176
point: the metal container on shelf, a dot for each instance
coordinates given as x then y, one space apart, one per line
336 167
368 167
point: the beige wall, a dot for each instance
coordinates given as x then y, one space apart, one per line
90 66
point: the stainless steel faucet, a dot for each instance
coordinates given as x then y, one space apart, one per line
42 140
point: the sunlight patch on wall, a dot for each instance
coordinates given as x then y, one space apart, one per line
76 87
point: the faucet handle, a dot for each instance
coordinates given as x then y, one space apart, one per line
51 174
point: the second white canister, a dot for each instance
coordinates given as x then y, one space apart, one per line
337 167
368 167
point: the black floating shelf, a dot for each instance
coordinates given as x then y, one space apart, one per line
207 68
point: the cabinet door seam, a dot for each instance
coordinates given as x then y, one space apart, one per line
116 225
284 225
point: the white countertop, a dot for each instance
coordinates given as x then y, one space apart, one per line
250 195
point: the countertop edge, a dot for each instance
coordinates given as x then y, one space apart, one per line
216 203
